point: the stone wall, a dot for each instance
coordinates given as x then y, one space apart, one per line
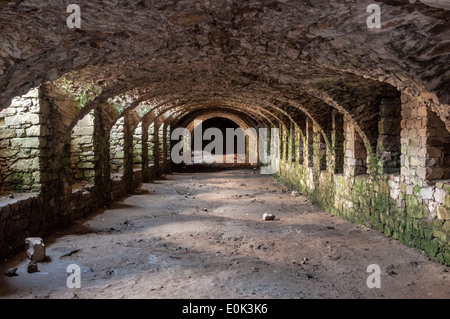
355 161
31 127
116 145
411 206
82 149
137 147
21 130
19 219
27 216
151 142
381 202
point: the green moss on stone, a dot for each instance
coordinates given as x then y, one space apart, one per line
447 201
440 235
446 227
446 255
431 247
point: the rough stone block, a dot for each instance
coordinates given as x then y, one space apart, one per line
426 193
26 165
440 235
27 142
434 151
439 195
416 161
35 248
446 227
268 217
443 213
23 119
7 133
434 173
33 131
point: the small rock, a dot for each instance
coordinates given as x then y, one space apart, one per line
32 267
268 217
295 194
35 248
205 209
11 272
310 276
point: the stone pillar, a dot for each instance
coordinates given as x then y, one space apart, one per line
319 150
57 177
156 152
145 158
337 140
309 143
292 143
413 139
103 184
282 142
425 144
388 144
300 147
165 163
128 154
355 152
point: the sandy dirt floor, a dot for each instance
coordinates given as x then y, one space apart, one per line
201 235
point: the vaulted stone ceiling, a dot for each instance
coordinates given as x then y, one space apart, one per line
263 58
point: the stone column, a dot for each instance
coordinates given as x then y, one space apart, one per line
56 178
103 184
319 150
299 146
413 139
355 152
165 164
388 144
145 159
309 143
128 154
292 143
156 152
337 140
282 142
